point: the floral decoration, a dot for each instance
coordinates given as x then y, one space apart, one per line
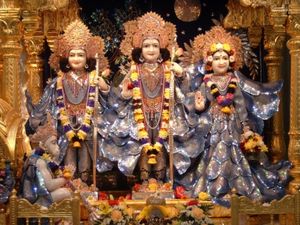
252 142
143 136
72 134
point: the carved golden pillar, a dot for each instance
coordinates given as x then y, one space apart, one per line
33 41
274 40
294 132
11 50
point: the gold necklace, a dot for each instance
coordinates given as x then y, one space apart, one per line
151 67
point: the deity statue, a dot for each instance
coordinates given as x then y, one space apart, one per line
232 109
38 181
138 126
70 97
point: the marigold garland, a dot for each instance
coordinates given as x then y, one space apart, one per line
81 133
143 136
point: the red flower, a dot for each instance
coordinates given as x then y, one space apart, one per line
130 86
113 202
180 192
192 202
136 187
102 196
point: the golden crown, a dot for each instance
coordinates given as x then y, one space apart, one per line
78 36
150 25
217 39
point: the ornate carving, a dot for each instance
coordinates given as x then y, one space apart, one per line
243 17
21 208
255 3
255 35
34 64
294 133
274 41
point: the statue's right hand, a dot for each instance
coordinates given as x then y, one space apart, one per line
127 88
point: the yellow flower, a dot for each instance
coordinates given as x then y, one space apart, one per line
226 47
129 211
203 196
167 93
70 134
264 148
226 110
138 117
103 207
142 134
81 135
213 47
136 92
250 144
163 134
134 76
46 157
168 76
153 186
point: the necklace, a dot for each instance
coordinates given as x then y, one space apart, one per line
151 67
80 133
221 81
224 100
75 89
151 84
139 116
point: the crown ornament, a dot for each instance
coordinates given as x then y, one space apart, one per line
77 36
214 40
43 132
150 25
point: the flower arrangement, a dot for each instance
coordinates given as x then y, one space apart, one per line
252 142
192 213
109 212
181 214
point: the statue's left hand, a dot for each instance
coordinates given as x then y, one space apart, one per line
177 69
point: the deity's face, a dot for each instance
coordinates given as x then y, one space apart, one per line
52 147
77 59
150 50
220 63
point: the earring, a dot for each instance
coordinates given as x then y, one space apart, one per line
68 66
86 66
141 59
159 59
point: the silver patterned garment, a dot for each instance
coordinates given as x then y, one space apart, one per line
48 104
119 129
223 166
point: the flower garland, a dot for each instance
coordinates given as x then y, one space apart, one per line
143 136
74 135
225 101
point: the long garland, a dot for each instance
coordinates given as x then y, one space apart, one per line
74 135
143 136
225 101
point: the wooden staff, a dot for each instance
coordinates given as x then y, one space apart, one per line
171 111
95 130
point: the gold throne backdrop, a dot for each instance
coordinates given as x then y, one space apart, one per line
275 22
